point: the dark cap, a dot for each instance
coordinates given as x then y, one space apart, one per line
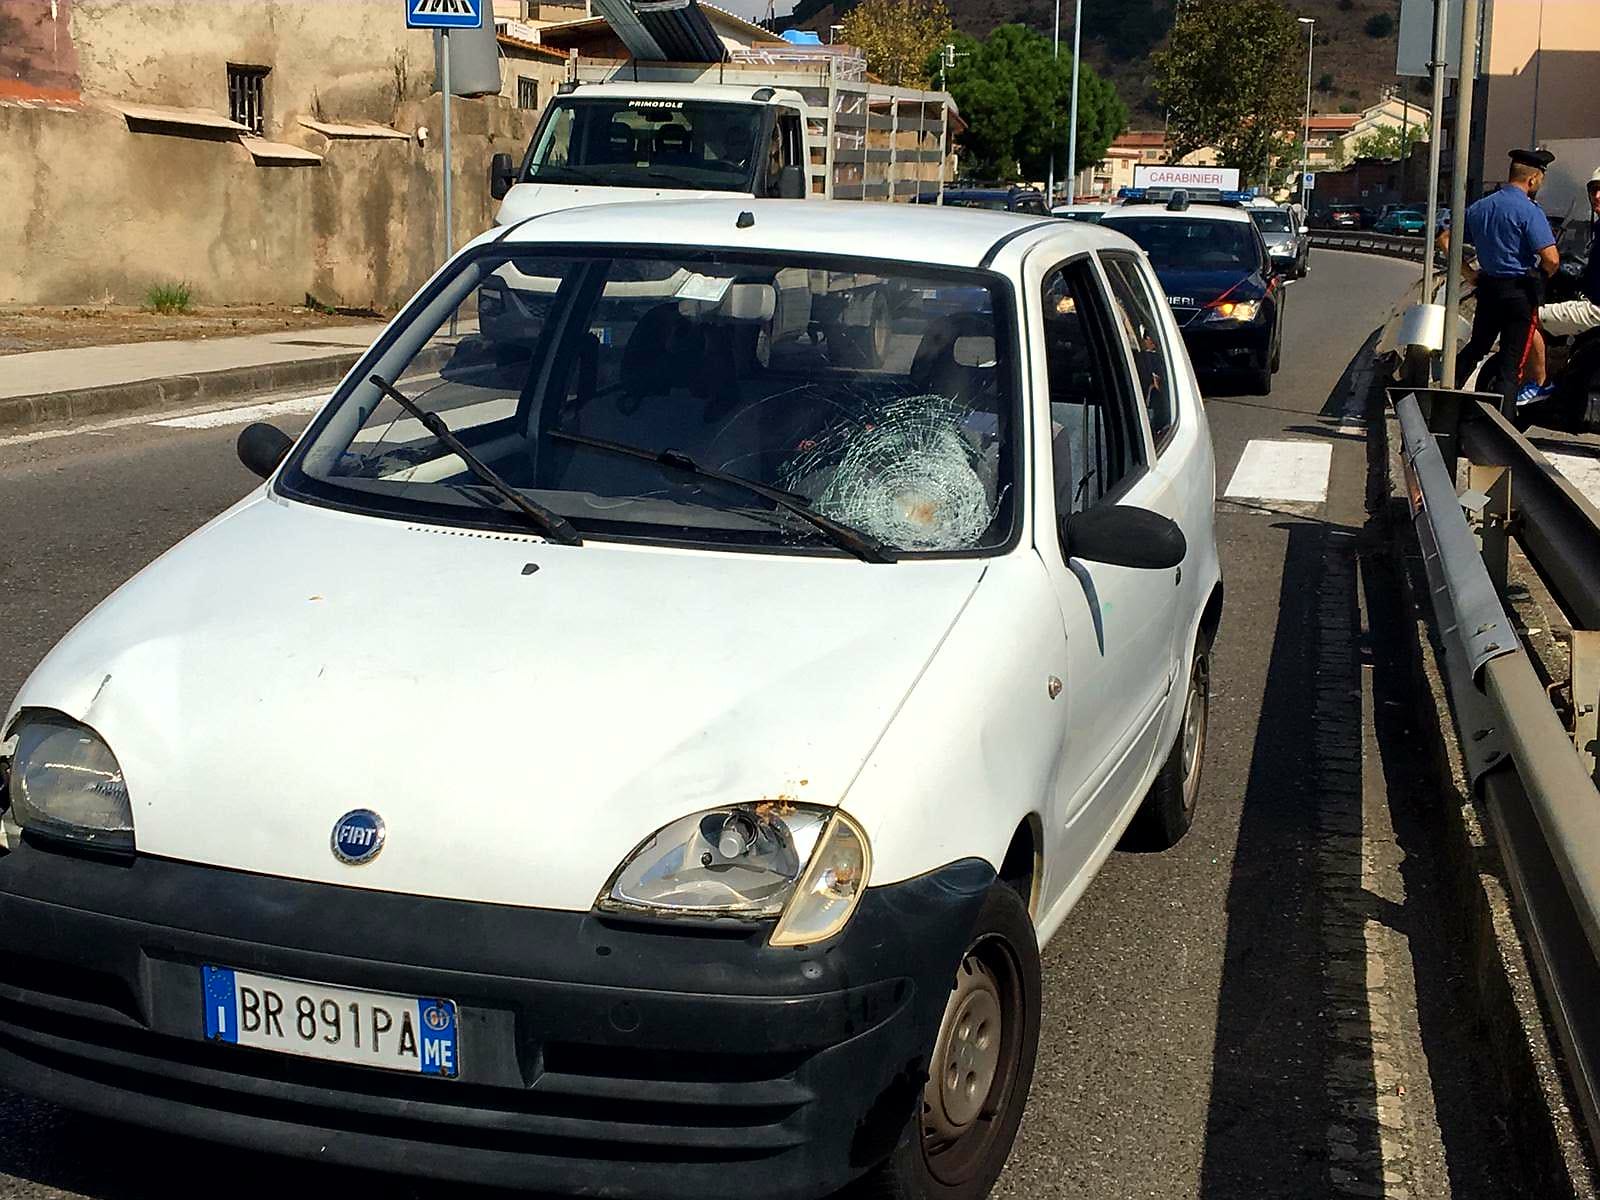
1540 160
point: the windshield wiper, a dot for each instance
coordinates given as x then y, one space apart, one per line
552 524
578 176
863 545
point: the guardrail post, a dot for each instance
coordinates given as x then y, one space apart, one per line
1442 411
1494 524
1584 648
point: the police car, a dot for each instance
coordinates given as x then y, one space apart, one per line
599 762
1218 275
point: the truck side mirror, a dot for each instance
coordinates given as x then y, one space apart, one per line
791 184
502 175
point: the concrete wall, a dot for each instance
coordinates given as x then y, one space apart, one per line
96 210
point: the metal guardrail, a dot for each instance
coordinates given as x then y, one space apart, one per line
1538 786
1387 244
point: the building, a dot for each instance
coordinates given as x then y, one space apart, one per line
1133 148
258 150
1538 65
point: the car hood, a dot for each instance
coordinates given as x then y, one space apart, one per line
521 715
1191 287
531 199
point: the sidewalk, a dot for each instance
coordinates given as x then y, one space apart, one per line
64 385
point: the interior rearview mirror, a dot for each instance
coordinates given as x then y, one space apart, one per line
262 447
502 175
791 184
1122 536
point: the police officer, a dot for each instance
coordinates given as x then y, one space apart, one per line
1516 254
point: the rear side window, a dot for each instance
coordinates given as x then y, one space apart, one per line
1141 329
1096 439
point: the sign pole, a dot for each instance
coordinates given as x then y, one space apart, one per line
1072 121
1458 197
1441 19
449 235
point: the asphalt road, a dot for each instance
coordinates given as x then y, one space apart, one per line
1266 1011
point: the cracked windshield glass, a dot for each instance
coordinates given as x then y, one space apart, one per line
880 400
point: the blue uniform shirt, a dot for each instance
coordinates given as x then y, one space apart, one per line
1509 230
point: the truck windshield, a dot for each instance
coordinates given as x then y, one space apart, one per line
648 143
882 396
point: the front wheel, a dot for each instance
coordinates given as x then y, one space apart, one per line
980 1069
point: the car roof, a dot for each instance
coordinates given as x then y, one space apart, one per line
1203 212
933 235
725 92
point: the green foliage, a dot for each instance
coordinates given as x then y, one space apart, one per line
1325 82
170 297
1391 143
1232 77
1379 25
898 37
1017 101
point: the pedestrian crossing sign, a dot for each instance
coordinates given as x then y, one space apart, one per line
444 14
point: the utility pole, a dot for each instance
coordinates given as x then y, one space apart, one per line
1458 197
1441 25
1072 136
1050 187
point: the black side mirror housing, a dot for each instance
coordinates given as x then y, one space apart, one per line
1122 536
502 175
262 447
791 184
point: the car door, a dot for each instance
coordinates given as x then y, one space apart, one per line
1096 450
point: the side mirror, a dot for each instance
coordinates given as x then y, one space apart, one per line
502 175
1122 536
1304 229
262 447
791 184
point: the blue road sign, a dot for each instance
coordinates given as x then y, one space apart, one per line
444 14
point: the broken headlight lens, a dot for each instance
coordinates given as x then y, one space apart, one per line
65 783
805 865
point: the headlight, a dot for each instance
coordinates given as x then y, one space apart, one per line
66 783
1234 310
807 866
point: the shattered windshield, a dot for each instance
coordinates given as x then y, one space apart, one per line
881 396
648 142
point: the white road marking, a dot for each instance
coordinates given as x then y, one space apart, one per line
1293 471
1582 472
220 417
251 412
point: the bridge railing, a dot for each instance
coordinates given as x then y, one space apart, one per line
1534 770
1391 245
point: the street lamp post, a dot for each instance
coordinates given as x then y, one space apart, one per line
1072 135
1050 186
1305 143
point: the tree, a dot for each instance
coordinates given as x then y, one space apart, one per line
1017 100
898 37
1231 78
1379 25
1390 142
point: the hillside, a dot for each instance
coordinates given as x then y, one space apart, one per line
1352 67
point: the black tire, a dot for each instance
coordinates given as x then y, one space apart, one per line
1277 356
1169 807
1002 957
1261 381
863 346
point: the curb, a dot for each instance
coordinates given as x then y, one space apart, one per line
1524 1065
173 390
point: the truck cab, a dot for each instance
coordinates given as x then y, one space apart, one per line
602 143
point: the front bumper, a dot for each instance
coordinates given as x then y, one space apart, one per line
1215 348
597 1057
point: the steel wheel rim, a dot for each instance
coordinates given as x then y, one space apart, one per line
961 1117
1195 712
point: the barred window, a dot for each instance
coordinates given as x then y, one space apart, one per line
247 91
527 92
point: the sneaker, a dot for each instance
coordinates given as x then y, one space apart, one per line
1532 393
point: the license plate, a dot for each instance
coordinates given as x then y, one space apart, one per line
417 1034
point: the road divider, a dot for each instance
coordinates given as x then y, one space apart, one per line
1389 245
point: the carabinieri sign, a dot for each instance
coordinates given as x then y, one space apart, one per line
444 14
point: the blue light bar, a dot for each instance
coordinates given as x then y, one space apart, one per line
1131 193
1238 197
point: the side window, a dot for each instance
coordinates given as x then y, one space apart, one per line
785 148
1140 326
1096 438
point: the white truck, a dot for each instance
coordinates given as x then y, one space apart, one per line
650 131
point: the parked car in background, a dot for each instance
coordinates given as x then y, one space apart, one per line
1026 200
1346 216
639 748
1403 221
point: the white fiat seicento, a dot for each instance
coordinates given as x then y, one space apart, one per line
636 740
